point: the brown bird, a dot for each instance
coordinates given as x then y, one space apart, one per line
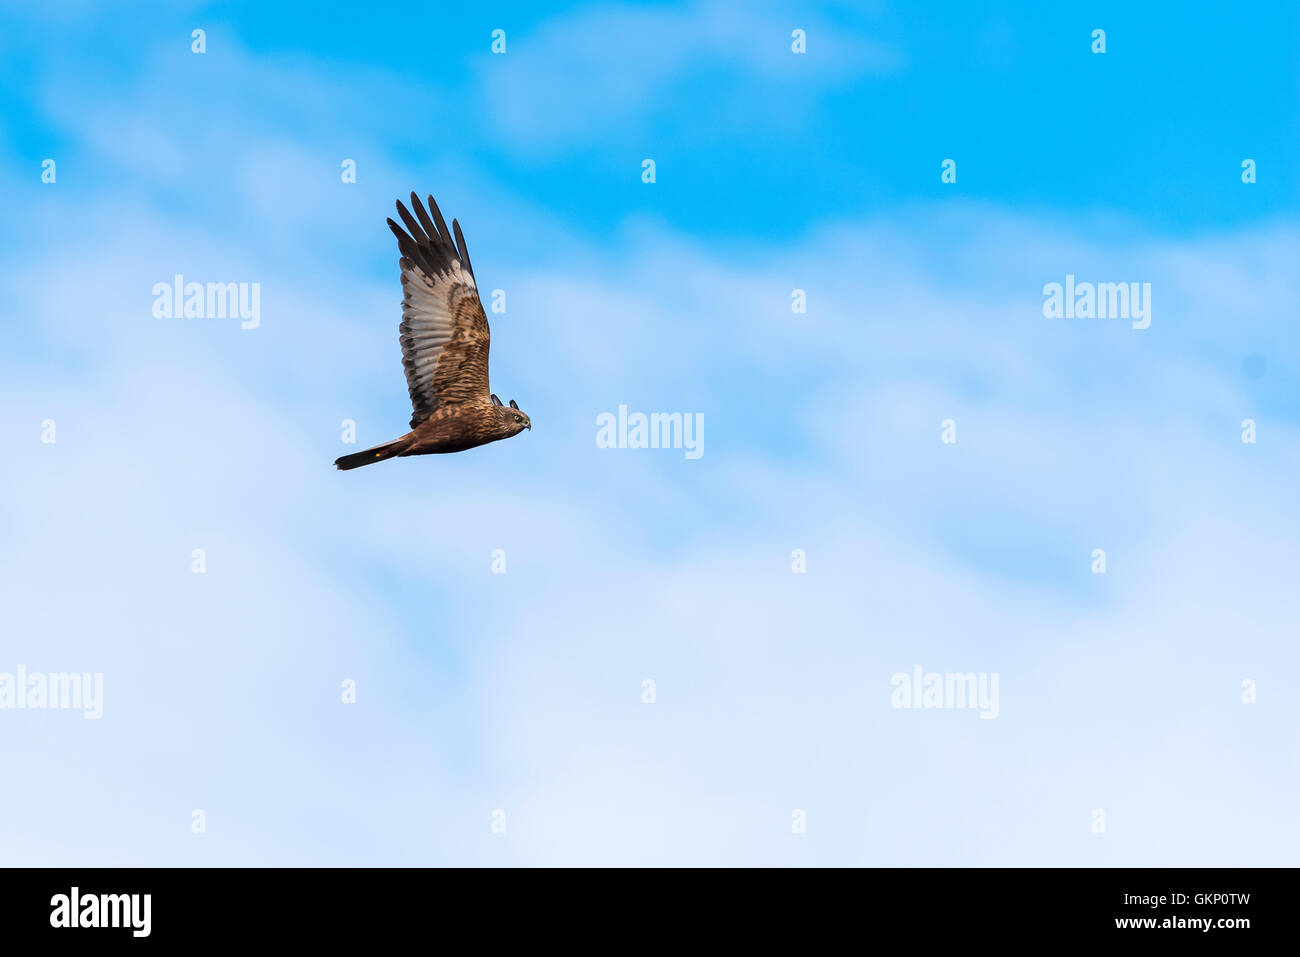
445 342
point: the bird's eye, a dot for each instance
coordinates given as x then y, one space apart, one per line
519 418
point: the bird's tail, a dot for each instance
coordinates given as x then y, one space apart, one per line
377 454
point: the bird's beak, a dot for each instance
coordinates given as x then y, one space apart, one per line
530 426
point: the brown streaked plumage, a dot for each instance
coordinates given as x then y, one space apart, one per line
445 340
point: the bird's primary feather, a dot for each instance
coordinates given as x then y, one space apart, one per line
444 332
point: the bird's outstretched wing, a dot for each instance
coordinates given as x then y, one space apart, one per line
445 334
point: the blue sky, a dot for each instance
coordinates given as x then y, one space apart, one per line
522 692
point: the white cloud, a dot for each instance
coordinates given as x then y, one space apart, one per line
522 691
601 71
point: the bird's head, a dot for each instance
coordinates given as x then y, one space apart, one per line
513 419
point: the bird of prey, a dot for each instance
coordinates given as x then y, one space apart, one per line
445 339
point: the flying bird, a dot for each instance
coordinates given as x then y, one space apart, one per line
445 340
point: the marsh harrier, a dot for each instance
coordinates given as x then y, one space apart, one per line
445 340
